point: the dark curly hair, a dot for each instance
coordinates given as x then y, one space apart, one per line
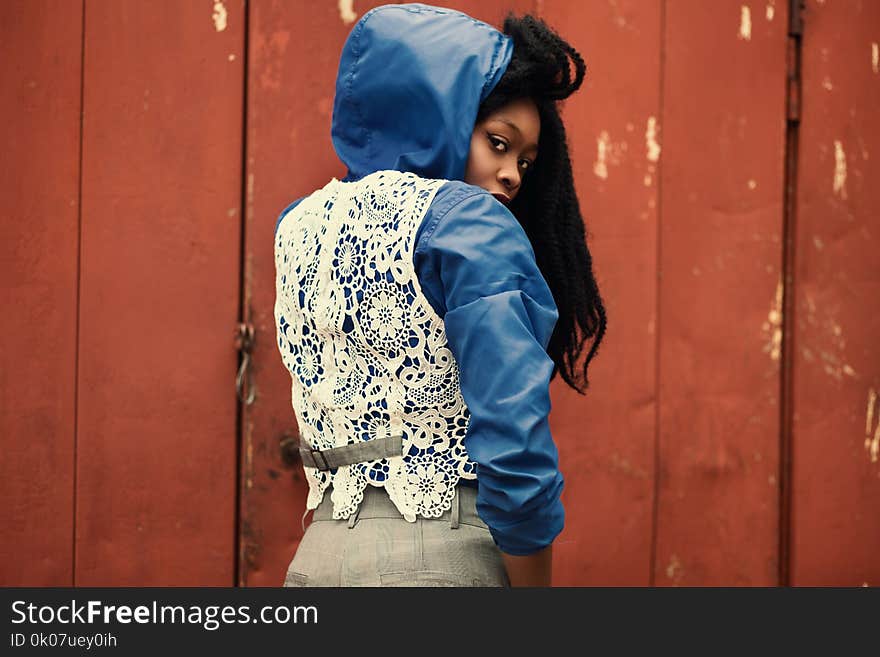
546 205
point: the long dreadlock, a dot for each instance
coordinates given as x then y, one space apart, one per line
546 205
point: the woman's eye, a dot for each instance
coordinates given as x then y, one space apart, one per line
496 142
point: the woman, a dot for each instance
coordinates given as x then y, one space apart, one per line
417 303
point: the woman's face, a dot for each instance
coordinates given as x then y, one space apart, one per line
503 148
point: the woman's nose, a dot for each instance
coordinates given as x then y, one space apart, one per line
509 178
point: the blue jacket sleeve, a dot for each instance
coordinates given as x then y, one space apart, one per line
477 267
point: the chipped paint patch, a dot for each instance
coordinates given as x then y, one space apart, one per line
771 11
872 445
623 466
600 168
651 140
231 57
818 243
826 84
753 184
875 58
835 367
249 458
347 12
745 23
219 16
674 570
772 328
839 170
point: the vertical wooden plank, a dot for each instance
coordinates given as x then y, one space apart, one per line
836 412
160 293
606 438
41 63
723 127
294 57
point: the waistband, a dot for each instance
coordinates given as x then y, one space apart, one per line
377 504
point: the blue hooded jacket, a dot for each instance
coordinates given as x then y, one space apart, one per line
410 82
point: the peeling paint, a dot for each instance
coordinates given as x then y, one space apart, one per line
839 170
771 10
834 366
600 168
623 466
674 570
811 304
826 84
745 23
347 12
818 243
872 445
249 459
619 20
772 328
752 184
219 16
875 58
651 140
231 57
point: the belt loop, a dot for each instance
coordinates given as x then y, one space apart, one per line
455 508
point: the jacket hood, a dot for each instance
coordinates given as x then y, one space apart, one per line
411 79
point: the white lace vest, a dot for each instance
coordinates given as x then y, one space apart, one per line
367 353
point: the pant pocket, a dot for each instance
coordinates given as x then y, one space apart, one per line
293 578
428 578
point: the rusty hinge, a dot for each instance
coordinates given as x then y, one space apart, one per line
793 60
244 342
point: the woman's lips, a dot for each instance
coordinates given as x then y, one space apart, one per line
502 197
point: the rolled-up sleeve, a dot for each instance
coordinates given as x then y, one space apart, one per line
477 267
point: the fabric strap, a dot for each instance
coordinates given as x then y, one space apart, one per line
368 450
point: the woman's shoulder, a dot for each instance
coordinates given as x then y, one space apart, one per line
470 212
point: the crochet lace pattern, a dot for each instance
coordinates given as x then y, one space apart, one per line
366 351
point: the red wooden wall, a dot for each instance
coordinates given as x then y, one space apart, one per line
731 435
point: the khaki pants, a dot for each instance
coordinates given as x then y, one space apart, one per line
380 548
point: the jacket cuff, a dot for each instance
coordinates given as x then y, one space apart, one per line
533 533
